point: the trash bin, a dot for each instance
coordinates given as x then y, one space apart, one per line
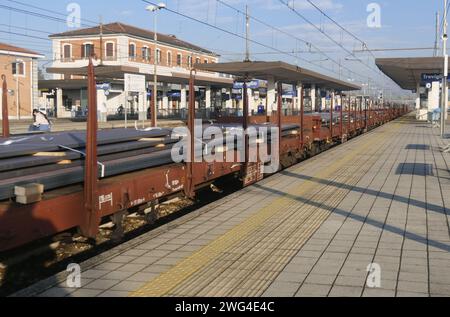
436 115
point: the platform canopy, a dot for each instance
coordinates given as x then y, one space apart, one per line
107 72
278 71
407 71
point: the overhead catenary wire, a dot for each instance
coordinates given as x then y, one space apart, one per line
276 51
323 32
364 44
308 43
45 16
235 34
290 6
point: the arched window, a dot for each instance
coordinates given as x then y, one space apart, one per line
146 53
132 50
110 50
67 52
158 56
169 59
87 50
179 60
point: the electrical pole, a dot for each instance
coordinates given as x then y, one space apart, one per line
247 35
436 43
444 80
17 88
101 40
155 74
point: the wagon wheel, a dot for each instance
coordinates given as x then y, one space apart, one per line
117 219
152 215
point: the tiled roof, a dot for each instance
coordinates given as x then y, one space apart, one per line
11 48
121 28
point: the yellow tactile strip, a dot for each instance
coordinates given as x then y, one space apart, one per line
280 239
167 282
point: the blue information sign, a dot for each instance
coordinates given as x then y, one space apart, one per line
429 78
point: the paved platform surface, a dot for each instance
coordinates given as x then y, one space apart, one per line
59 125
311 230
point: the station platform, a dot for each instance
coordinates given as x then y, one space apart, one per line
311 230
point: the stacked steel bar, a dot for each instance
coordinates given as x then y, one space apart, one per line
57 160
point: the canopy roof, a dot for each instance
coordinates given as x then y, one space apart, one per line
279 71
117 72
407 71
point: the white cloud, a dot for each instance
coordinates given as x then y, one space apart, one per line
126 13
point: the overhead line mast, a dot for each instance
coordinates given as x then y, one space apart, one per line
247 35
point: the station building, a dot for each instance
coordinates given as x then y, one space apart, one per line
120 49
20 66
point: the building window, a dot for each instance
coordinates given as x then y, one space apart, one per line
158 56
169 59
146 53
189 61
18 68
132 50
67 52
197 60
206 61
87 50
179 59
109 50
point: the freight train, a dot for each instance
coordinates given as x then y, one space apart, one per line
56 182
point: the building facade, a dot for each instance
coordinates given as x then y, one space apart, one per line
128 49
20 66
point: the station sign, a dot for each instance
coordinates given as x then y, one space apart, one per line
236 91
254 84
104 86
289 93
174 94
134 83
429 78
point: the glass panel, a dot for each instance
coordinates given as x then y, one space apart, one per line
132 50
67 51
21 68
158 56
110 49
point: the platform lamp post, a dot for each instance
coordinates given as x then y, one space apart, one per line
445 73
155 9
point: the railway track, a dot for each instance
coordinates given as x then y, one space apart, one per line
26 265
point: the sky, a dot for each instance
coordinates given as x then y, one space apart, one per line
297 37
